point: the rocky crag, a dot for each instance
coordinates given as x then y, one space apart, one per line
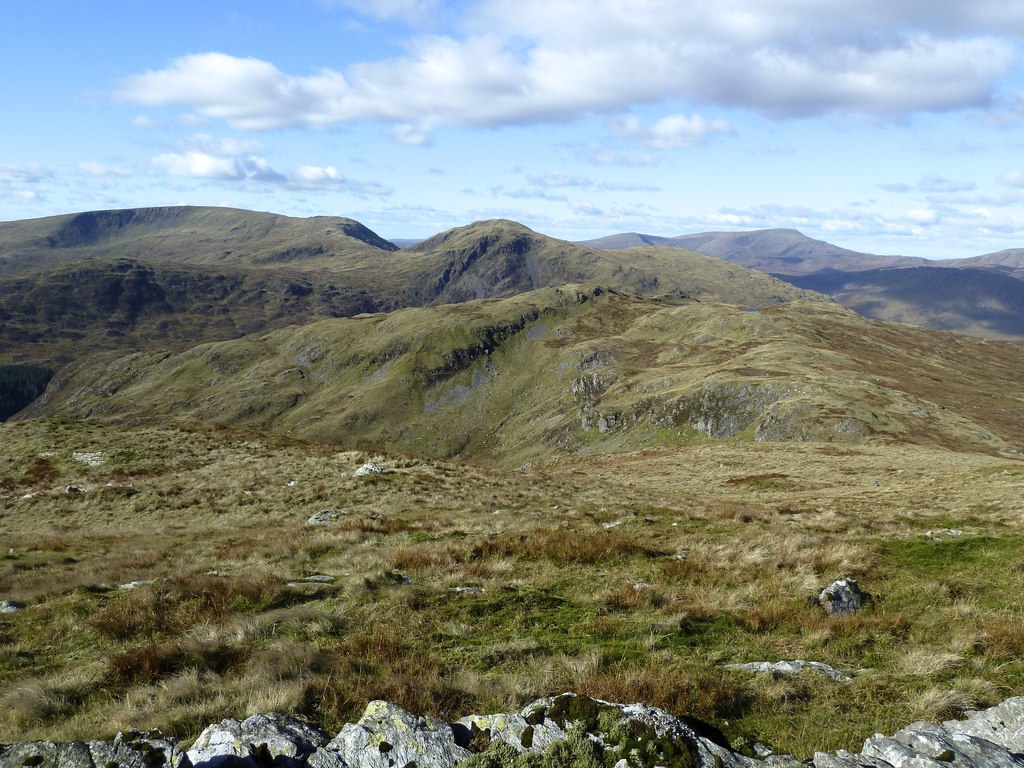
558 732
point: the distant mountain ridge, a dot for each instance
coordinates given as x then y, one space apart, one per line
981 295
776 251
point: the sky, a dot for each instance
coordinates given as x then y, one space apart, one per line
885 126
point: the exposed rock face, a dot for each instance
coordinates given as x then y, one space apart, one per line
842 597
387 736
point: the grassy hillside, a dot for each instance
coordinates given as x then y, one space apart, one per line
573 370
451 588
203 274
187 235
981 302
74 311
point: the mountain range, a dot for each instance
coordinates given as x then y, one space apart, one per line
981 295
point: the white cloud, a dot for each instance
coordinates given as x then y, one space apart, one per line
545 61
236 161
672 132
23 182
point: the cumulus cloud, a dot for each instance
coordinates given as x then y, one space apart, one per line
234 160
548 61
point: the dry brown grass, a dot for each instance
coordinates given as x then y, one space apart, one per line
558 608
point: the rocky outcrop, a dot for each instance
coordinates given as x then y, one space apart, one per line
560 730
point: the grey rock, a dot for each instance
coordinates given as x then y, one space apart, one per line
324 517
842 597
791 668
325 758
74 489
139 750
388 736
256 741
46 754
1002 724
10 606
134 750
369 468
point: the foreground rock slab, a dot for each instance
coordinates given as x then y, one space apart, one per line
560 730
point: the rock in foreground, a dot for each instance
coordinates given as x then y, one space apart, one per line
566 730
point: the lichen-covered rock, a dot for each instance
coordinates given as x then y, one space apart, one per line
388 736
256 741
842 597
134 750
561 730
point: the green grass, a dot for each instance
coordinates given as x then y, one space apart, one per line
706 568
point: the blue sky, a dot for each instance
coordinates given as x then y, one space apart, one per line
888 127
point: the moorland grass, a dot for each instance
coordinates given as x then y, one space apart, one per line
459 588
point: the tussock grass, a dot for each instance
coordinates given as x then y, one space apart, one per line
455 588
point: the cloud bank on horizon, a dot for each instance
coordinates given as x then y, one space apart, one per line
649 108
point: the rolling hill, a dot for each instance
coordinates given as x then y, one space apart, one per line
174 277
187 235
568 370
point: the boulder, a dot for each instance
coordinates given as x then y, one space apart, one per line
257 741
324 517
842 597
369 468
388 736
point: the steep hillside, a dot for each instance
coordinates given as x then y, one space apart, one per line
55 316
188 235
777 251
573 370
503 258
981 302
